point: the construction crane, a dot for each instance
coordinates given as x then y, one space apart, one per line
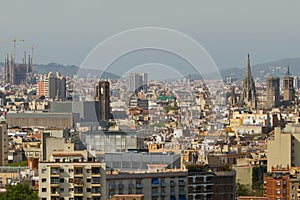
15 45
33 47
15 41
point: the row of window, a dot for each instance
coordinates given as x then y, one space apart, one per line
56 180
76 190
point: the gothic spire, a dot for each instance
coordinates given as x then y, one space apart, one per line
288 71
248 73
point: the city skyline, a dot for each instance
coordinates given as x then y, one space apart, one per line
245 27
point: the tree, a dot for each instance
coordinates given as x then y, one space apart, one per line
21 191
243 190
257 179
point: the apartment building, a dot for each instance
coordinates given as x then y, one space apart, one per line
70 176
277 184
155 184
283 149
203 183
3 144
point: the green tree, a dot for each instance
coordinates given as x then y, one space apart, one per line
17 164
244 190
258 179
21 191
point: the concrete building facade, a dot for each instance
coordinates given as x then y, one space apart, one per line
52 86
284 148
211 185
160 185
3 144
70 176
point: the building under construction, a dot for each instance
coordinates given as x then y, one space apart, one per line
18 73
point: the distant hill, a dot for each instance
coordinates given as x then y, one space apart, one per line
70 70
260 71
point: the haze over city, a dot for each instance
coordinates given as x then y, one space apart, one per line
65 32
157 100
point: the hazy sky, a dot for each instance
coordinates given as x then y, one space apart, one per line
66 31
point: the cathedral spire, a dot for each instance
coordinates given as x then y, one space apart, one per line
248 73
288 71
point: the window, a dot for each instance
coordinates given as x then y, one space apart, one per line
88 189
70 180
278 183
61 180
88 180
44 189
44 180
61 190
61 170
71 189
278 191
70 170
44 170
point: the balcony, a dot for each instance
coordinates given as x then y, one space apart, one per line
139 185
163 194
155 194
112 186
130 185
163 184
155 185
96 190
54 171
182 192
55 192
121 185
78 182
78 192
96 171
172 183
181 183
96 180
173 193
78 172
54 181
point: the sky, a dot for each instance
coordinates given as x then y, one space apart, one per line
66 31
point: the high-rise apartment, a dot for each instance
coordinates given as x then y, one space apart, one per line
71 176
137 82
207 184
51 86
3 144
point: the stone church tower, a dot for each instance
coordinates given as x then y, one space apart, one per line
248 97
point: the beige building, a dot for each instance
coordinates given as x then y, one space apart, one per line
3 144
9 174
71 176
153 184
284 148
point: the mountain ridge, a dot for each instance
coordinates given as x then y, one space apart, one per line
259 71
